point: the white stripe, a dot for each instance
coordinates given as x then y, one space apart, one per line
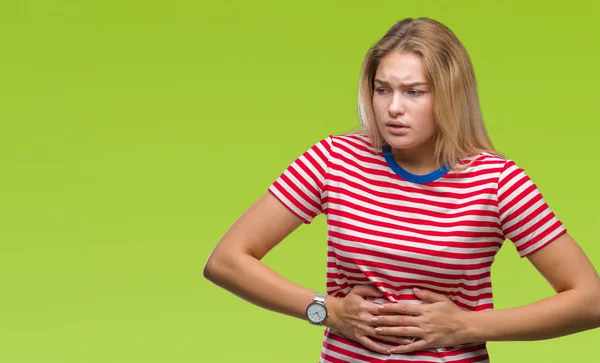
392 179
528 212
542 241
417 276
403 225
401 205
399 236
289 204
394 254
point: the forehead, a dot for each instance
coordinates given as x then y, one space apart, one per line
398 67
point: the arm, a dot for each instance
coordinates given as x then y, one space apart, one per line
529 223
575 307
292 199
235 265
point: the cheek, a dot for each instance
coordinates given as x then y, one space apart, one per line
378 108
427 112
376 103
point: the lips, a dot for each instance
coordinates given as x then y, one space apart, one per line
396 128
396 124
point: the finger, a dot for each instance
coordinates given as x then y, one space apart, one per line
366 290
401 331
393 340
430 296
400 308
370 332
373 346
412 347
394 320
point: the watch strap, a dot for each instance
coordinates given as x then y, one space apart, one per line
320 298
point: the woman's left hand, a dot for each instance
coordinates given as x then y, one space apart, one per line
438 322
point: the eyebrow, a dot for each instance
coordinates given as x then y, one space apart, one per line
412 84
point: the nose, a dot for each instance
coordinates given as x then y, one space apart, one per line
396 106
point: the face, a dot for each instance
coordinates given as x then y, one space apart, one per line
402 102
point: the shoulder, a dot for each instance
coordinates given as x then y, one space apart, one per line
489 168
484 163
485 159
355 143
506 173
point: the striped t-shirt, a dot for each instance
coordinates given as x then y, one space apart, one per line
396 230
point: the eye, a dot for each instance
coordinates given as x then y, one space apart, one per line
415 92
380 90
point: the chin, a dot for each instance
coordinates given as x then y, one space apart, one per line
398 143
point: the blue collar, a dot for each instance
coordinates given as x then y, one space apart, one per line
415 178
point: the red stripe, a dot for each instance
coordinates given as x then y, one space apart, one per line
534 232
335 190
352 145
430 354
407 188
430 259
465 245
410 282
388 291
523 217
291 201
412 270
405 248
541 236
528 193
351 157
404 228
313 183
304 194
544 244
288 207
341 202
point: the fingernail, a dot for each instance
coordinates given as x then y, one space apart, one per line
416 289
380 307
374 320
388 351
392 350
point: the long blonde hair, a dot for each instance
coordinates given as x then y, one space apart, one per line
459 123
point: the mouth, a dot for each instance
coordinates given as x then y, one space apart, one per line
396 125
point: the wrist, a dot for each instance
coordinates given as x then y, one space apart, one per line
333 308
472 331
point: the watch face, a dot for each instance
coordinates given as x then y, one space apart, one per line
316 312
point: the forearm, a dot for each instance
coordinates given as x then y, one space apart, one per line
250 279
565 313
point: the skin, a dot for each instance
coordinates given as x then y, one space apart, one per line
401 93
235 263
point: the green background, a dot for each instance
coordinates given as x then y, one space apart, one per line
134 133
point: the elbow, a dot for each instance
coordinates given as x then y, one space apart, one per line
592 302
596 303
210 269
220 266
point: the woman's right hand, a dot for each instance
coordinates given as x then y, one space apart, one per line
352 316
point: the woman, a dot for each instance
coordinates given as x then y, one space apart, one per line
417 205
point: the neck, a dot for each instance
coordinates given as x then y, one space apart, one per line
419 160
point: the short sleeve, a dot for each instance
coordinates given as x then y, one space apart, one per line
525 217
300 187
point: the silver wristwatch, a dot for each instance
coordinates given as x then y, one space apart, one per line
316 312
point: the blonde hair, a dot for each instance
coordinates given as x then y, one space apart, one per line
460 131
